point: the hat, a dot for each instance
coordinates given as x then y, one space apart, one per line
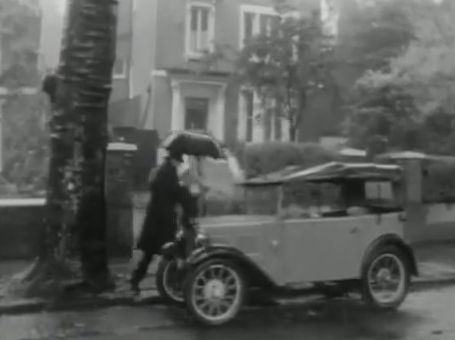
177 156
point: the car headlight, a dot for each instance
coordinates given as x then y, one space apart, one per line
202 240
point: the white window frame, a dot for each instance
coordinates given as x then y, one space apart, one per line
123 74
329 17
257 10
211 29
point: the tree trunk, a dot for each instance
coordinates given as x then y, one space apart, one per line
91 55
75 205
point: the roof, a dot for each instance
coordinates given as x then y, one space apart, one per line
330 172
407 155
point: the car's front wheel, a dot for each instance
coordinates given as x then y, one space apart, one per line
215 291
386 277
169 281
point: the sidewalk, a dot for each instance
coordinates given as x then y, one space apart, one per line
436 264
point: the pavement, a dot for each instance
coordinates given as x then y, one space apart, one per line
436 264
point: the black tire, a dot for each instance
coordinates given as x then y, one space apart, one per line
167 292
399 259
195 275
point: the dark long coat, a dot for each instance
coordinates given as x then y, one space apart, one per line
160 223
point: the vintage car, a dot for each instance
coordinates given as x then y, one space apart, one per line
355 242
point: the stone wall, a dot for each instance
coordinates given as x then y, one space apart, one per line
21 220
21 225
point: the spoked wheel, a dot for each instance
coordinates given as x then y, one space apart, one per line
169 281
386 278
214 292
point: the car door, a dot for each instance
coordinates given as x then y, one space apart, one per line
322 249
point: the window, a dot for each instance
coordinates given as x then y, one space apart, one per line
255 20
200 29
379 191
277 126
120 69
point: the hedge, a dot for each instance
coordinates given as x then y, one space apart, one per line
438 184
259 159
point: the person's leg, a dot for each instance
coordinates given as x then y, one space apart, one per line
141 270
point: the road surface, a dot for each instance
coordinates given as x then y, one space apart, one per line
425 315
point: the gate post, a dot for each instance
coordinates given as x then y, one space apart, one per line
119 198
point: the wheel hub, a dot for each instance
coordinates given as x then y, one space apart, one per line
214 290
384 275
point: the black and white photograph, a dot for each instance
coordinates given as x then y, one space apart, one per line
227 169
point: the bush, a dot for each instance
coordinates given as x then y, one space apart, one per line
259 159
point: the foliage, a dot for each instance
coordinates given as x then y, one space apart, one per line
427 67
19 31
25 142
410 102
24 115
385 113
377 31
259 159
286 63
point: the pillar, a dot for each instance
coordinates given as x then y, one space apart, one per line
119 198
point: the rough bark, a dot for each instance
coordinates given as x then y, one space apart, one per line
90 57
76 209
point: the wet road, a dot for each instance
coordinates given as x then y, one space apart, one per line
425 315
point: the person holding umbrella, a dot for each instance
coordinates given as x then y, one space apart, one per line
161 222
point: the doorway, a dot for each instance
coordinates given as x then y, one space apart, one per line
196 113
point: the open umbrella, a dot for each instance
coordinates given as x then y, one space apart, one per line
193 144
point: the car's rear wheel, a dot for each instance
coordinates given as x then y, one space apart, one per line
169 281
215 291
386 277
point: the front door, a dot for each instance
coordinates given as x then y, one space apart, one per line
196 113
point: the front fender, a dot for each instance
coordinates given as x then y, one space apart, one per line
169 250
395 240
173 249
254 274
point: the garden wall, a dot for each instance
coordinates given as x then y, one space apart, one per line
20 228
21 219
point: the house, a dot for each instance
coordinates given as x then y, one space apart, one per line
163 81
174 85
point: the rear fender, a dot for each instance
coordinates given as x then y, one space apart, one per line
256 276
391 240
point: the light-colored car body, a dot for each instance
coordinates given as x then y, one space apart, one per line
295 251
361 240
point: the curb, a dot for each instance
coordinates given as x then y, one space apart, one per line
100 302
31 306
